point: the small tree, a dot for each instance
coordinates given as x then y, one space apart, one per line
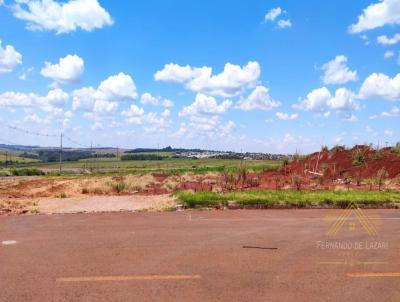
370 183
285 162
242 174
334 172
358 178
380 178
347 182
296 182
277 181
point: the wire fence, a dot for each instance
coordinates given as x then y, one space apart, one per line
62 138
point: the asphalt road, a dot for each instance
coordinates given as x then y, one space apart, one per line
236 255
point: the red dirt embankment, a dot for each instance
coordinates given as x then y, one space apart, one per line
340 163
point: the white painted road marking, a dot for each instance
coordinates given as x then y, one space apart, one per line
127 278
367 275
8 242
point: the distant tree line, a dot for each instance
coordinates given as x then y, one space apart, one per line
29 155
142 157
166 149
54 155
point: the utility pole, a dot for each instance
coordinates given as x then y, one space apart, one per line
117 168
61 150
92 159
6 158
96 164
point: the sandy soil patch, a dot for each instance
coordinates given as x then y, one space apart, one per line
104 204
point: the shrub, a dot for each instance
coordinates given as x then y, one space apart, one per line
396 149
229 180
27 172
119 187
358 162
377 155
337 148
62 195
277 181
243 173
296 182
298 158
359 157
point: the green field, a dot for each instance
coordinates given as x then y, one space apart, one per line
169 165
15 159
270 198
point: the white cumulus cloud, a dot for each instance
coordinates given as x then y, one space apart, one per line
179 74
381 86
69 70
337 72
384 40
320 100
155 122
62 17
52 103
259 99
11 99
105 99
284 23
273 13
120 87
343 100
394 112
388 54
133 111
286 117
149 99
9 58
384 12
205 105
315 101
167 103
232 81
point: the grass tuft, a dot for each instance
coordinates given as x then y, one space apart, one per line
271 198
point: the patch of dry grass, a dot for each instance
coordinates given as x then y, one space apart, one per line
122 184
16 207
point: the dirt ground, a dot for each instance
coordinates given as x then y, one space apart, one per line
88 204
325 170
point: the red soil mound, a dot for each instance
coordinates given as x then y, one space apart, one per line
340 163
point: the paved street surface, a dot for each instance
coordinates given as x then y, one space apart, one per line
236 255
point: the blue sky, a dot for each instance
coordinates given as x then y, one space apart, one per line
271 76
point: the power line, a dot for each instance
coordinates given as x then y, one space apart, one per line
20 129
28 131
75 142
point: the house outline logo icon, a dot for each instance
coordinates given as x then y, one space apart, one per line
352 209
